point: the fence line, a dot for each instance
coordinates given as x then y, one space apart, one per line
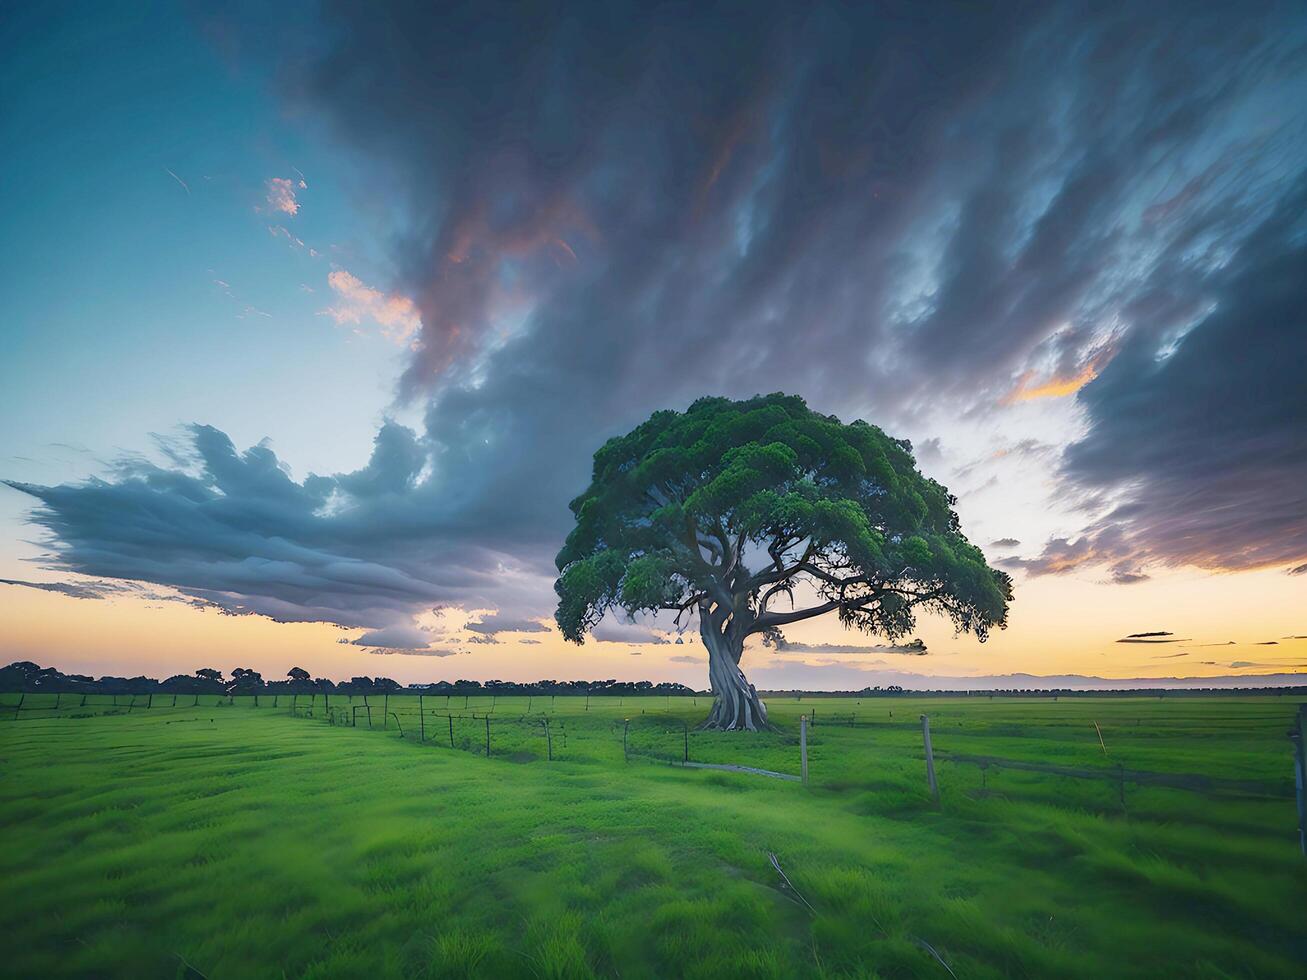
488 730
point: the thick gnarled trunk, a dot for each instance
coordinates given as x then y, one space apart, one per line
736 705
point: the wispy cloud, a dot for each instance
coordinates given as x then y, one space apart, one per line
498 623
357 303
424 652
186 187
281 195
1029 387
611 632
913 648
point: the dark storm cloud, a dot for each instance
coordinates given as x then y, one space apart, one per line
234 530
889 209
1204 439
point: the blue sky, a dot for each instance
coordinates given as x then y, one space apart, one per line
437 258
118 325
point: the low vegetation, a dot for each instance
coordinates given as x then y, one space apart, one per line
232 841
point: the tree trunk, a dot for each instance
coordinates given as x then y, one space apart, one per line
736 705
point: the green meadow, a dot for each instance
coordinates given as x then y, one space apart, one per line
225 840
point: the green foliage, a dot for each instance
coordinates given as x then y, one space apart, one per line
675 507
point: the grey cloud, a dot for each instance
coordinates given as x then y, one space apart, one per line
500 623
75 590
687 659
232 529
913 648
610 632
881 211
1005 543
1205 432
405 637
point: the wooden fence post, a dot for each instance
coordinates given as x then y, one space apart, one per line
1300 773
549 742
385 711
803 748
487 736
686 725
930 759
451 730
422 722
626 728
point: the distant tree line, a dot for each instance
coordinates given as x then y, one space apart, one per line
25 676
32 678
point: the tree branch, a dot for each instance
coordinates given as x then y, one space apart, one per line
771 620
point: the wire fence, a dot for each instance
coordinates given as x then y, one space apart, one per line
855 746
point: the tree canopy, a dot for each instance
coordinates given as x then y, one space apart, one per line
759 513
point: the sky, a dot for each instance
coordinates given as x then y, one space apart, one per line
315 315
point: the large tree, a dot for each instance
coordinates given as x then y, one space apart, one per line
752 515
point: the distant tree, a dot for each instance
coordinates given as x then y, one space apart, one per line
384 685
732 508
245 681
23 675
298 674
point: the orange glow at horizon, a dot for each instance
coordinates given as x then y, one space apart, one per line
1058 625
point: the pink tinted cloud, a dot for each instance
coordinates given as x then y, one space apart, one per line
357 302
281 195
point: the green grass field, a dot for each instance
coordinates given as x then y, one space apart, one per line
242 842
